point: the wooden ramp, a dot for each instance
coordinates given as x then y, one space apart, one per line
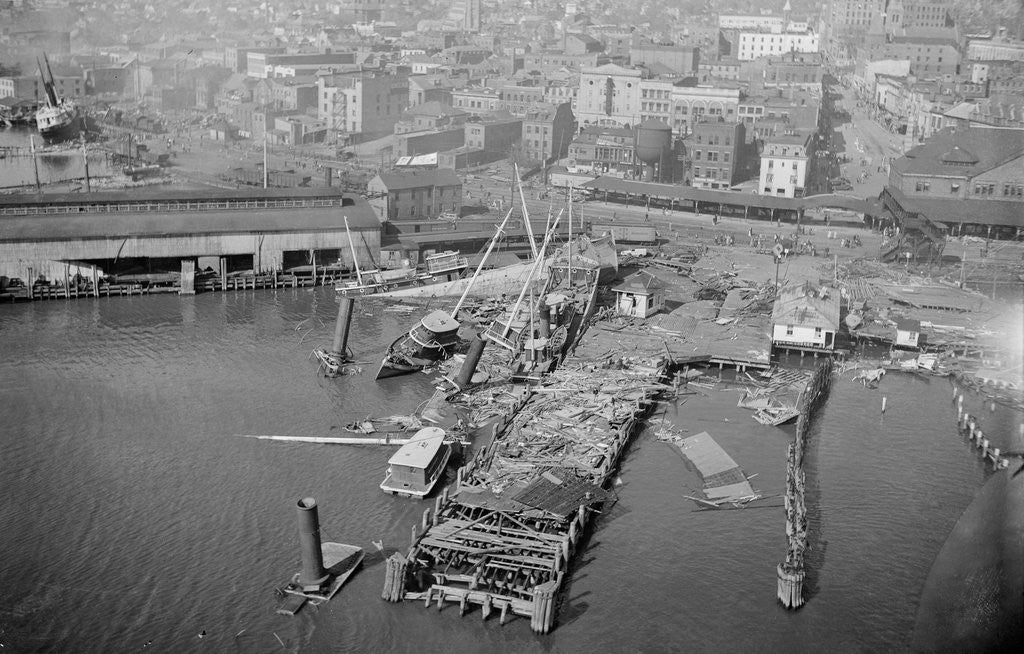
723 478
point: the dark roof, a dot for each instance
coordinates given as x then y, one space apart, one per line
182 223
908 325
990 147
954 212
671 191
166 195
434 108
395 181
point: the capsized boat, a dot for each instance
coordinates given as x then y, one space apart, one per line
433 338
417 466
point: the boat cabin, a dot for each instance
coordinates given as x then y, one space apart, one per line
417 466
447 261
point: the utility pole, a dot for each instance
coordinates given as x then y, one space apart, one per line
35 161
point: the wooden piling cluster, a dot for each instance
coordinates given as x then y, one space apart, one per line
199 284
504 538
969 428
790 573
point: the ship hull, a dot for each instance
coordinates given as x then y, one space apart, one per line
66 129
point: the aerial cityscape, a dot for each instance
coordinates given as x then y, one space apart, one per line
512 325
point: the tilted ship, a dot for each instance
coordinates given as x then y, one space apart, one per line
58 120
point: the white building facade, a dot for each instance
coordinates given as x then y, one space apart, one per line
766 44
784 167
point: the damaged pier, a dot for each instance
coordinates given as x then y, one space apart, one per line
504 538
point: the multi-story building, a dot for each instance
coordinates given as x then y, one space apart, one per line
999 76
366 11
928 56
968 179
547 132
413 195
518 100
766 116
609 95
678 59
495 134
792 69
464 15
784 165
476 100
430 116
904 15
363 102
766 44
691 103
262 64
605 150
714 149
30 87
433 87
995 50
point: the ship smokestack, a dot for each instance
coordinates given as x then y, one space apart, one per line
313 575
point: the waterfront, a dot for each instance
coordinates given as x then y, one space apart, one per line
134 512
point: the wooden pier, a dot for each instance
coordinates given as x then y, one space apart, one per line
791 572
504 538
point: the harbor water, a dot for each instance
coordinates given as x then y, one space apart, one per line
16 170
134 512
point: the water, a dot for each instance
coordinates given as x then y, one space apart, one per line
53 167
132 510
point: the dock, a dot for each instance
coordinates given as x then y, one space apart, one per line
503 538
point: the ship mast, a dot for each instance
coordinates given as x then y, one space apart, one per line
355 261
476 273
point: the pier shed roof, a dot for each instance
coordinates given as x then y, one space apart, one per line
125 224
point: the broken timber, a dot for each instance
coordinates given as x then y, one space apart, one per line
504 538
791 572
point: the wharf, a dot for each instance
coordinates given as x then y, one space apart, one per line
504 537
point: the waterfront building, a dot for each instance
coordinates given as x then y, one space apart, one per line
495 134
805 318
966 179
411 195
640 295
784 164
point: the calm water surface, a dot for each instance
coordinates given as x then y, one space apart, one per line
132 510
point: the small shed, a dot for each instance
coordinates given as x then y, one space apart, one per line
908 332
640 295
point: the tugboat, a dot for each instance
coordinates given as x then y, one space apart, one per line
58 120
435 337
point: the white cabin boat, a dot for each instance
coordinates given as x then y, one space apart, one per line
417 466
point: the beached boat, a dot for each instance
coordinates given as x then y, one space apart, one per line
417 466
437 269
430 340
58 119
435 336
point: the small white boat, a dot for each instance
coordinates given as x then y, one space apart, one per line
417 466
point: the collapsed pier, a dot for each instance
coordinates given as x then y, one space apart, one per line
503 539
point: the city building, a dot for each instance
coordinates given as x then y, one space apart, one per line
674 59
547 132
766 44
362 103
609 95
430 116
928 56
967 179
607 150
714 149
495 134
262 64
784 165
476 100
413 195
